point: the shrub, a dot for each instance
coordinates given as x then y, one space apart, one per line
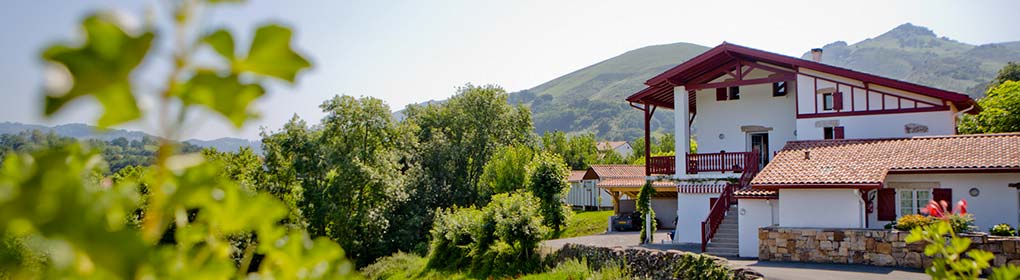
500 239
961 222
952 257
695 266
452 236
1002 230
391 266
548 182
909 222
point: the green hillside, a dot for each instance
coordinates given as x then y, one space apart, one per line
592 99
915 54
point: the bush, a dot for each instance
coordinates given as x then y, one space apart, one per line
399 263
909 222
548 182
961 222
1002 230
452 236
500 239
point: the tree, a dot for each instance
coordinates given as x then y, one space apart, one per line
455 140
1010 72
507 171
1000 111
348 170
548 182
54 196
579 151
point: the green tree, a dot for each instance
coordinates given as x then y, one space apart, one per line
1000 111
578 151
80 221
548 182
507 171
455 140
644 206
1010 72
348 171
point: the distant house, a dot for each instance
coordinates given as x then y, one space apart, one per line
619 184
620 147
834 147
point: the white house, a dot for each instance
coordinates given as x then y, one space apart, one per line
749 104
620 147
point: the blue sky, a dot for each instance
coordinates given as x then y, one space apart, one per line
412 51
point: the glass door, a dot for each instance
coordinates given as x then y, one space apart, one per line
760 142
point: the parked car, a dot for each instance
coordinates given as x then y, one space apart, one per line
627 222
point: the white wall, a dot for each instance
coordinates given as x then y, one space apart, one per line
996 203
754 214
585 193
756 106
878 126
822 208
625 150
665 211
692 209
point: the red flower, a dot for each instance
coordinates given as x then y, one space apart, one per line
961 207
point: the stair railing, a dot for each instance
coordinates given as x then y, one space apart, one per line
719 210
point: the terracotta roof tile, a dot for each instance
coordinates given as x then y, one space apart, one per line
867 161
632 182
604 171
576 175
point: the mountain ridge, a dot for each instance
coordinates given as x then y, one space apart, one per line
82 131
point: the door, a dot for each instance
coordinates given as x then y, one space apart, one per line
760 142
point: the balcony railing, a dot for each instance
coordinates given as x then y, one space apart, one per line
735 162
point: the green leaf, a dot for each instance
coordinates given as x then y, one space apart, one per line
101 67
222 42
226 95
271 55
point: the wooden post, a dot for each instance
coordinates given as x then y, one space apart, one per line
648 140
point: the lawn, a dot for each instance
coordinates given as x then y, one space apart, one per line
586 223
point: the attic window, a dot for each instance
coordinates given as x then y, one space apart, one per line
779 89
734 93
827 101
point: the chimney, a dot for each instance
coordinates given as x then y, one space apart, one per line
816 54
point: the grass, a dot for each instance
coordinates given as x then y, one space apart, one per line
402 266
586 223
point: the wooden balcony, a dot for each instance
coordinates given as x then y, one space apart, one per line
735 162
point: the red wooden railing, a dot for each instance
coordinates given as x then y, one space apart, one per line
662 165
722 205
719 162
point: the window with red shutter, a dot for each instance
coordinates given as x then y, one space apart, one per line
720 94
943 195
837 101
887 204
837 132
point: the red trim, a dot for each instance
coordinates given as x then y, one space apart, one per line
876 112
726 53
818 186
956 170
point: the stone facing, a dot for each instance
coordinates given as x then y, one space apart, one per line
877 247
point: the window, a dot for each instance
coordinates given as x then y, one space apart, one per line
734 93
911 201
779 89
832 132
827 101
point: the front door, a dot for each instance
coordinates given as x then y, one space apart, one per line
760 142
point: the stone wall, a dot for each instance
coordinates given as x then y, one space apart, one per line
655 264
877 247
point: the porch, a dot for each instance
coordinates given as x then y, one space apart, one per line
735 162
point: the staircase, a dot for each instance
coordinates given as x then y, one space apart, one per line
725 241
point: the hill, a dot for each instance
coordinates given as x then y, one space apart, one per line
82 132
592 99
914 53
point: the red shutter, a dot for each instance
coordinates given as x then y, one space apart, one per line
837 101
837 132
887 204
720 94
943 195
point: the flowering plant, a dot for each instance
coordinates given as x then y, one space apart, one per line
958 217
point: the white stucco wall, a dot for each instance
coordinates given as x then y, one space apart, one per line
996 203
878 126
825 208
692 209
756 107
665 211
754 213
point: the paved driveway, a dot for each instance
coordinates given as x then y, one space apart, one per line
771 270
